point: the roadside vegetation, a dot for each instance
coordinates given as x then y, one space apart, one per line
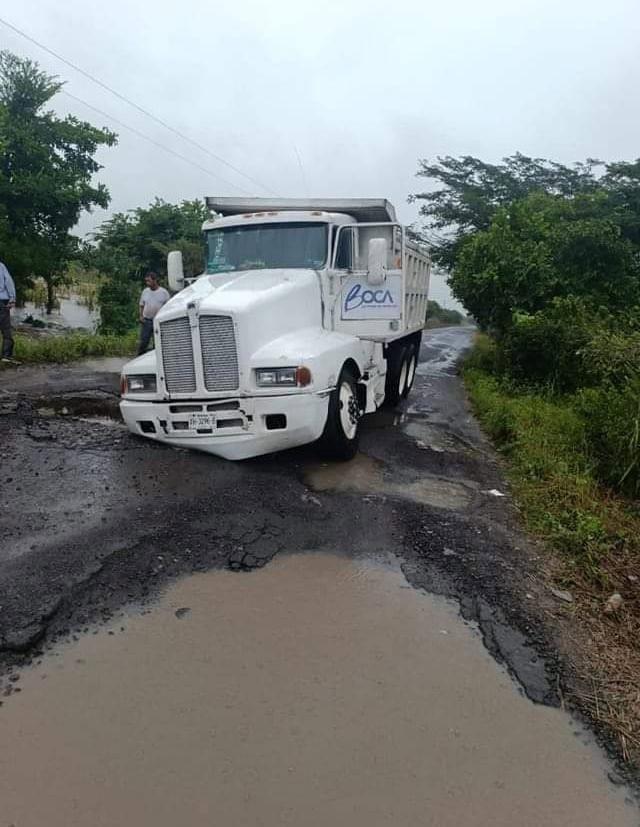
70 347
130 244
547 260
47 170
438 316
38 213
563 464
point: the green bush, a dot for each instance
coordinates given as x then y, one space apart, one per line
548 348
612 428
118 300
613 356
485 355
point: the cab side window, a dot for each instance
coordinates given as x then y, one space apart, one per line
344 253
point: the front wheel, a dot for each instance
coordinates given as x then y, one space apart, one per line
341 433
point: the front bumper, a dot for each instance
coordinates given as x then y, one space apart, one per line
240 429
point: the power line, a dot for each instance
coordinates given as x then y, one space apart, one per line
153 141
134 105
302 172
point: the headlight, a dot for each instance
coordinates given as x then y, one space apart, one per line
280 377
140 383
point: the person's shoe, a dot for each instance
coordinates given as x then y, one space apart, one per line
10 361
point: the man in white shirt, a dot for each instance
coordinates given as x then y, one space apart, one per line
7 301
152 299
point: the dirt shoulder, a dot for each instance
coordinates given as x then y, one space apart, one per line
589 549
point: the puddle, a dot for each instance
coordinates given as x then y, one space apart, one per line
443 365
415 423
365 475
89 405
443 349
316 691
429 436
109 421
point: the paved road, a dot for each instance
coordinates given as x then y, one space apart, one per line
87 506
94 518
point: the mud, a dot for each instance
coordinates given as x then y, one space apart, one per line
366 476
320 690
88 404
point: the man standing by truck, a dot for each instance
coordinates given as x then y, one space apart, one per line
152 299
7 301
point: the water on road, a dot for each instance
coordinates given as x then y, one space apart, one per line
318 690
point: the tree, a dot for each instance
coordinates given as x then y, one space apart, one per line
542 248
129 244
147 234
622 184
473 191
46 169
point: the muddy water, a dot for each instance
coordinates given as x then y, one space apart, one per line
365 475
70 313
315 691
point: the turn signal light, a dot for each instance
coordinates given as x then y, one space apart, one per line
303 377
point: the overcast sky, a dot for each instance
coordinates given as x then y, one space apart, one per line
358 89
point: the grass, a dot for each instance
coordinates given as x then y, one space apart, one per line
544 438
72 347
592 535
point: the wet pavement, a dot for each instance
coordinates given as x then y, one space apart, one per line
96 520
101 374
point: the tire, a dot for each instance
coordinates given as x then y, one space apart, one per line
412 363
341 434
396 374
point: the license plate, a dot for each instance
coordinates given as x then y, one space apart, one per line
197 421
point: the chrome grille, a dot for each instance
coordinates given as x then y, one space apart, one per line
177 356
219 353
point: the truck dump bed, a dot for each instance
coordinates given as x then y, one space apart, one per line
417 274
362 209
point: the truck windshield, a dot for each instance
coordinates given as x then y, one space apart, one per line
261 246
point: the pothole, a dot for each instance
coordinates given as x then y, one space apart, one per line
319 690
85 405
365 475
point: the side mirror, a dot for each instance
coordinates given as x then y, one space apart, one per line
377 261
175 270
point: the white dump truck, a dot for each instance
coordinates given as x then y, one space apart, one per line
309 315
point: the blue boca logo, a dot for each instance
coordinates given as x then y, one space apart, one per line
358 296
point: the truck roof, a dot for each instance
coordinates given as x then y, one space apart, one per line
362 209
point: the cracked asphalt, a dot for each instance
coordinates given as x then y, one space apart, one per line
94 518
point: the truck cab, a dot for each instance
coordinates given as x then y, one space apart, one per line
303 321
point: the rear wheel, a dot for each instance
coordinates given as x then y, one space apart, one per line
412 363
341 433
396 374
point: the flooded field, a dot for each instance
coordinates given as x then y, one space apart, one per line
318 690
70 313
